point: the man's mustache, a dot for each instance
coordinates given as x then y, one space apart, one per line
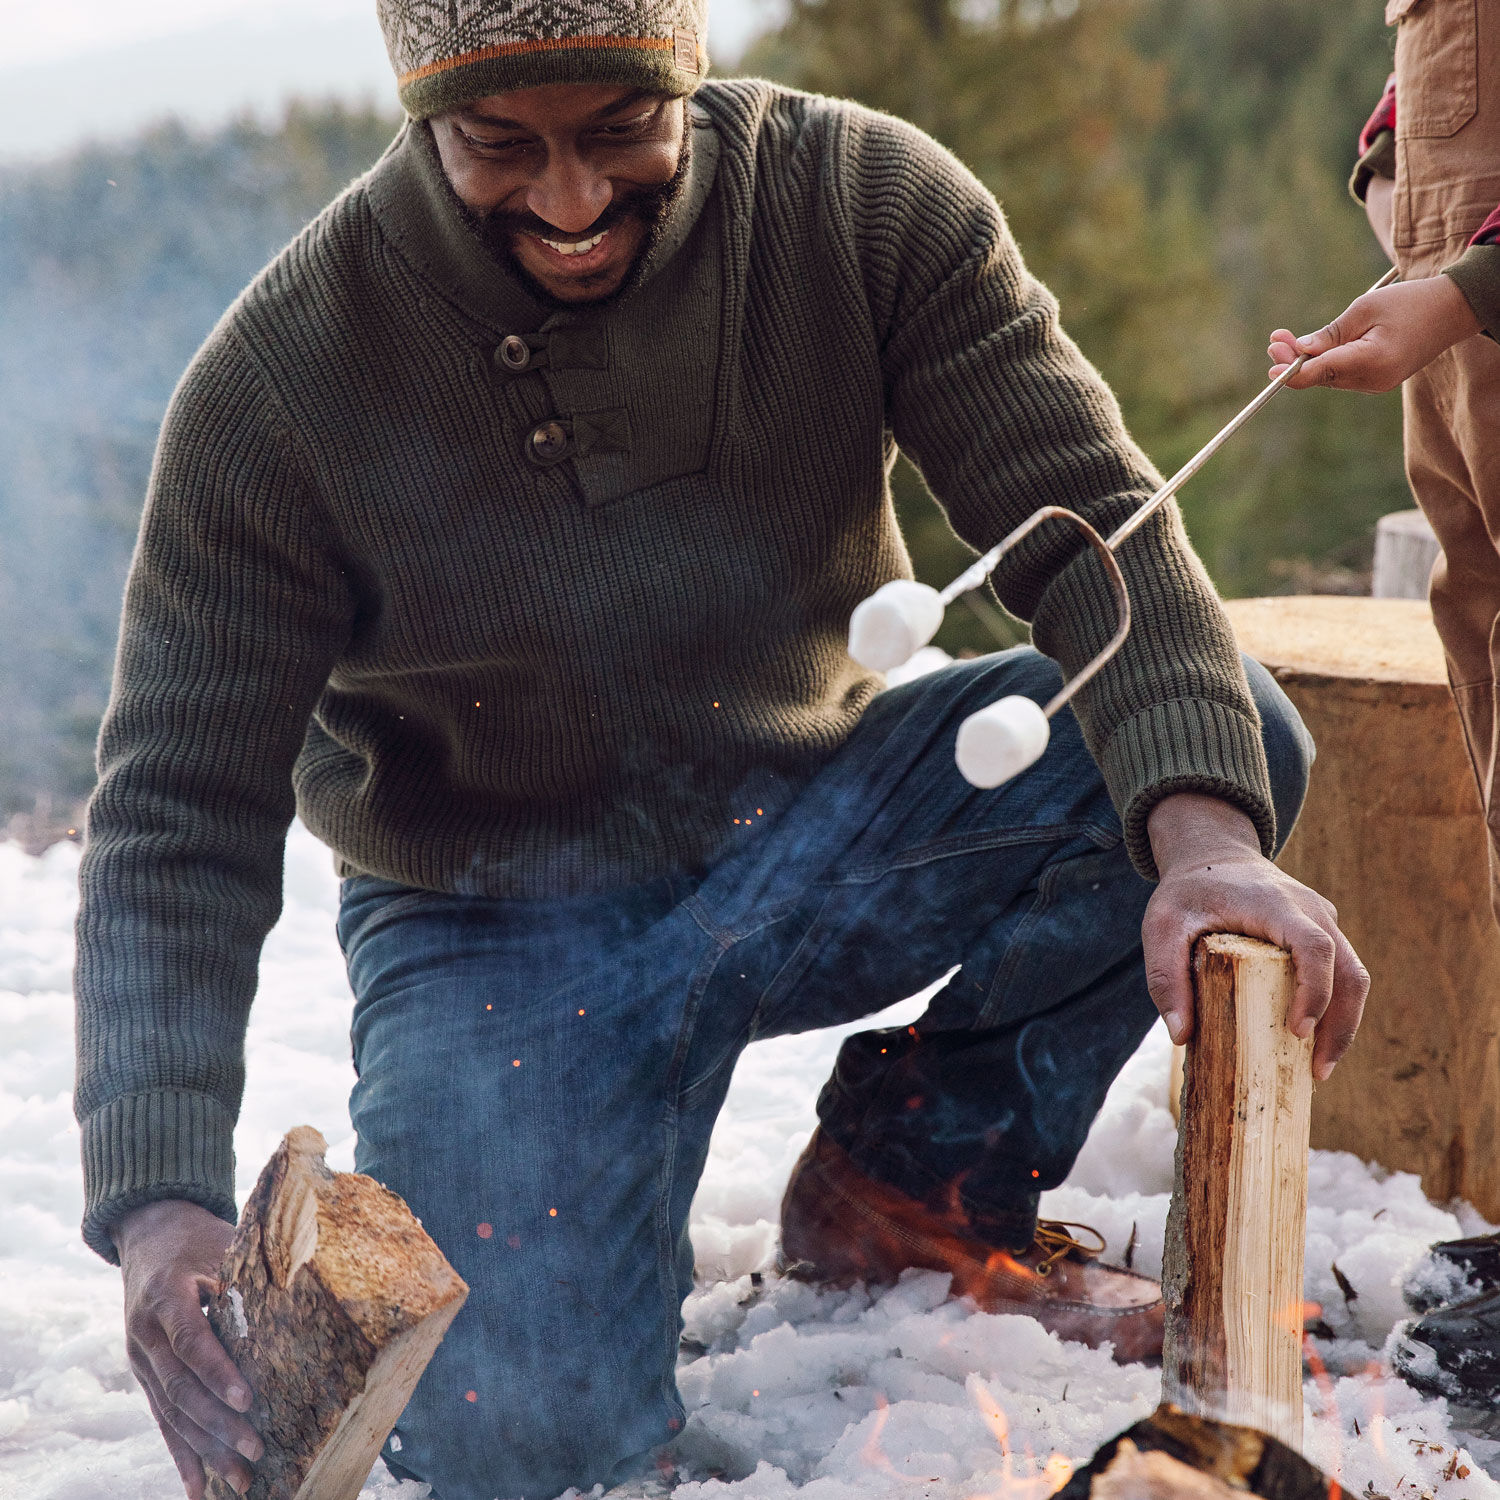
639 203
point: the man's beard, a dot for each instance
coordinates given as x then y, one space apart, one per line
651 206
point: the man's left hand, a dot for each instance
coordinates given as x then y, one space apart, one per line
1213 878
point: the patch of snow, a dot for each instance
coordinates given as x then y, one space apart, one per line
826 1396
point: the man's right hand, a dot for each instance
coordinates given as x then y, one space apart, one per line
170 1252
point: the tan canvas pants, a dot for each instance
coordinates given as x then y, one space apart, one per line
1447 184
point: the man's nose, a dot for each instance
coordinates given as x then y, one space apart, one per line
568 193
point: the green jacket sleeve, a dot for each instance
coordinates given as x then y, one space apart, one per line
1477 272
234 613
1002 414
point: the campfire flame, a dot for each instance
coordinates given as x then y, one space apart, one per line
1038 1482
872 1453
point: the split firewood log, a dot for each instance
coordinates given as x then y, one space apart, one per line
1174 1455
331 1300
1232 1261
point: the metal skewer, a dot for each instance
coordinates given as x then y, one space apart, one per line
999 741
1216 442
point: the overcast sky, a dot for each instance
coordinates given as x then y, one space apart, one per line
79 69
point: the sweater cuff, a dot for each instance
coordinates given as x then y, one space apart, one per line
1378 161
146 1147
1477 273
1186 745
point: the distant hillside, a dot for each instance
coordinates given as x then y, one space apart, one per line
113 266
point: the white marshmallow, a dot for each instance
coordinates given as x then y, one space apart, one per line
894 623
1000 741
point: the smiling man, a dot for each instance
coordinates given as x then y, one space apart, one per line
508 527
576 233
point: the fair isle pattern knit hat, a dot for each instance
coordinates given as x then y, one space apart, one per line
447 53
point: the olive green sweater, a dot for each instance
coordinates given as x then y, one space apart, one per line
487 675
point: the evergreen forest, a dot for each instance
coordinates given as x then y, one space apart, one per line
1173 169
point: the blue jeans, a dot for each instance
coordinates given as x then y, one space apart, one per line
538 1079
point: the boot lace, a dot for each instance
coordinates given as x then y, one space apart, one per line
1054 1240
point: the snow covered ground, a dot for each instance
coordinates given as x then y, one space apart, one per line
837 1397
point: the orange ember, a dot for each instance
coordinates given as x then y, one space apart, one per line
1002 1260
1297 1315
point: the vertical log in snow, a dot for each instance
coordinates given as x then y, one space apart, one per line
332 1300
1232 1268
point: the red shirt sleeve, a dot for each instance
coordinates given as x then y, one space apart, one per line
1384 117
1489 231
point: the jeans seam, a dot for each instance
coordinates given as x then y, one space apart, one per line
1097 833
666 1249
778 985
988 1013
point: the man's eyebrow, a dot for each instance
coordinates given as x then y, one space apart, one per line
479 117
502 122
630 100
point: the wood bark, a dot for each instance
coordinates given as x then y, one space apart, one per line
1232 1266
1176 1455
1392 833
331 1301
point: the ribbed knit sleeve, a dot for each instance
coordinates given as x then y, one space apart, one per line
235 611
1477 275
1002 414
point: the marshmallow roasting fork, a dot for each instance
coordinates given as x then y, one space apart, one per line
899 618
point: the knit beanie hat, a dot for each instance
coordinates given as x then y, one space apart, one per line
447 53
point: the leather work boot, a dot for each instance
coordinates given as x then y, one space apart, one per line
840 1226
1454 1352
1454 1271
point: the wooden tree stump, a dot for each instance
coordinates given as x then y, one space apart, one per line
1393 835
1405 550
331 1301
1232 1266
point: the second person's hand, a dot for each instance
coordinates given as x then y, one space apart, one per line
1381 339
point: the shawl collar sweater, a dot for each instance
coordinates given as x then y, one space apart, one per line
356 592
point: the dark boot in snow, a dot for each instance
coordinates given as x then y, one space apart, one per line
1454 1271
840 1226
1454 1352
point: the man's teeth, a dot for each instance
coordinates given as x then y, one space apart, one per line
573 247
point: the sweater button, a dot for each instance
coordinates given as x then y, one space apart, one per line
514 353
548 443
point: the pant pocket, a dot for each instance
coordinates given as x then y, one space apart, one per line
1437 66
